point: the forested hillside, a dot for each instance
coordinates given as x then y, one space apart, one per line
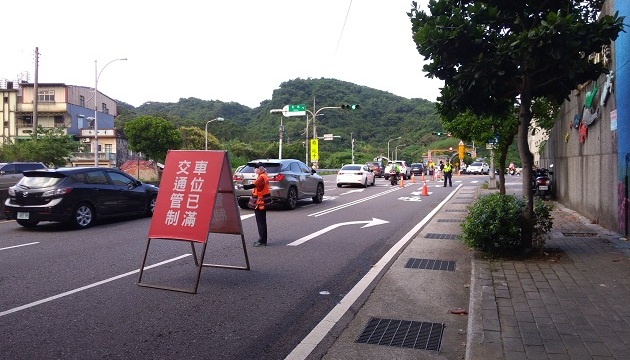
249 133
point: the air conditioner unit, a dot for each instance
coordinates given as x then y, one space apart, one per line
85 140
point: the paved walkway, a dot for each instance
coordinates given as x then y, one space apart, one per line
574 304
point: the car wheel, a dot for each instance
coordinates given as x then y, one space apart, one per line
373 180
243 204
151 206
28 223
291 202
339 185
319 196
365 183
82 216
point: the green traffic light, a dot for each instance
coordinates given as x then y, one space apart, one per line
350 107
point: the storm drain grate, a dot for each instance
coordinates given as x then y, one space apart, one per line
461 202
441 236
579 234
403 333
464 197
456 210
450 220
430 264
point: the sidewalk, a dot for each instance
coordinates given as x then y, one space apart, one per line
573 305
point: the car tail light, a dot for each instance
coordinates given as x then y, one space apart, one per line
237 177
277 177
57 192
360 173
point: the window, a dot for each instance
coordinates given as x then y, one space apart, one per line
120 180
59 121
46 95
104 108
108 148
96 177
81 100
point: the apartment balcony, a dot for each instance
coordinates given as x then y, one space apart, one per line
43 107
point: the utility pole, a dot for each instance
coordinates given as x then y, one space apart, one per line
35 92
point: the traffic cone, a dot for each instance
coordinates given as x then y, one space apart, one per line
402 181
423 176
413 178
425 190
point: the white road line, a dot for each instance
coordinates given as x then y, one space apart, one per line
351 203
309 343
55 297
16 246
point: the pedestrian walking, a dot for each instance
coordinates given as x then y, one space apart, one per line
260 199
448 173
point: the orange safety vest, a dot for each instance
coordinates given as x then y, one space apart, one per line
261 191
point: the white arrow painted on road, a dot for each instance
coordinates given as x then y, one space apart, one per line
367 223
352 191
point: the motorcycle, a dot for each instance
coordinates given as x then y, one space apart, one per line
393 178
542 182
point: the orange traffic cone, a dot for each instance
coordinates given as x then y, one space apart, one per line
425 190
402 181
423 176
413 178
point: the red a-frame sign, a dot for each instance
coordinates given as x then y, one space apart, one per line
196 198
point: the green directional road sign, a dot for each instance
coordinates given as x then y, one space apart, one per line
294 110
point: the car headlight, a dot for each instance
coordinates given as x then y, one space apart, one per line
11 191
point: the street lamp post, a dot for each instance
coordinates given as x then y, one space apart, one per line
388 158
396 150
281 130
208 122
97 75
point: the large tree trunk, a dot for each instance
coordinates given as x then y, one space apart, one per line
527 158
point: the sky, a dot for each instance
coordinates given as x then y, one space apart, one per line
231 51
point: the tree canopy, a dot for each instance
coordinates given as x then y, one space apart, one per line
153 136
495 54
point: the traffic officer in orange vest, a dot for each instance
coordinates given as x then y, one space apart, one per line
261 198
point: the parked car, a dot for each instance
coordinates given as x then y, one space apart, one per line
355 174
377 167
290 180
478 167
417 169
78 196
11 172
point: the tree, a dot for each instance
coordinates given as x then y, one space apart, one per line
195 139
493 54
52 146
152 136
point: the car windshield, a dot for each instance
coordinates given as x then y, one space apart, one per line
351 167
476 164
35 182
271 168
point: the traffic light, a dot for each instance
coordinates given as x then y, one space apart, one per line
437 133
351 107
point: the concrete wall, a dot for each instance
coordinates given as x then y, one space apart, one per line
586 173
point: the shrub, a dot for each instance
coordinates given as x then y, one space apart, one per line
494 224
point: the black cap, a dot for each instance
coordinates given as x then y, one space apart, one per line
258 164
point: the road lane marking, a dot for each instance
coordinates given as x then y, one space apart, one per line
368 223
16 246
58 296
351 203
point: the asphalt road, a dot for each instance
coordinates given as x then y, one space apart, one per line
67 294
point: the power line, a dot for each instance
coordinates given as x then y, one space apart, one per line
344 26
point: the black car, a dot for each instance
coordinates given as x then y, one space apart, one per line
77 196
417 169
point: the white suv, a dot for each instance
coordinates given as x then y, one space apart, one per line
405 171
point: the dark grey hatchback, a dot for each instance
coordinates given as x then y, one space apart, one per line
77 196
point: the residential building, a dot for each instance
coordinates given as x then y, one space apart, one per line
70 108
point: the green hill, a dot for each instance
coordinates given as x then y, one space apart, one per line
249 133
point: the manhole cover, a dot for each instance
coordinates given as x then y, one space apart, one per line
430 264
441 236
579 234
403 333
